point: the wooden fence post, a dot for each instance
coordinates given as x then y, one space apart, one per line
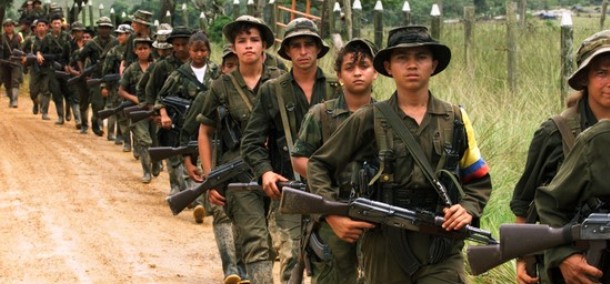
378 23
347 8
357 15
406 10
512 46
522 8
90 4
273 17
337 17
203 22
101 8
83 14
75 12
185 15
567 41
250 7
468 37
603 16
235 9
435 26
168 17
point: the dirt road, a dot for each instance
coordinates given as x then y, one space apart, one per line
73 210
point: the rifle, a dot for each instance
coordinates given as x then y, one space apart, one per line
10 63
217 178
138 115
130 109
103 114
30 58
518 240
108 78
295 201
88 71
162 153
176 108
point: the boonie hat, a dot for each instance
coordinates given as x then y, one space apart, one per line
179 32
371 47
8 21
104 22
123 29
77 26
266 32
142 17
412 36
142 40
301 27
226 51
591 47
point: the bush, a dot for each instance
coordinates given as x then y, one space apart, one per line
215 30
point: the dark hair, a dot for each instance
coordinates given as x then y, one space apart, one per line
242 27
360 51
55 17
200 37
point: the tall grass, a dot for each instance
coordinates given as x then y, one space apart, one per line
504 121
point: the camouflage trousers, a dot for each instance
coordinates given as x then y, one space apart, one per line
343 265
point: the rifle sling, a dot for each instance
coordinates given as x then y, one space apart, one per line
192 78
567 138
418 155
287 132
243 96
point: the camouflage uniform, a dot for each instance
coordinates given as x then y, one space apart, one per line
79 88
11 74
142 17
94 50
111 65
40 80
56 46
582 177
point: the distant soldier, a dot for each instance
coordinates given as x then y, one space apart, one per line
54 45
141 23
40 75
11 73
94 51
79 89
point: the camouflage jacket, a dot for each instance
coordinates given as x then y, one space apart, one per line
112 62
7 45
158 74
183 82
131 77
263 146
56 46
95 50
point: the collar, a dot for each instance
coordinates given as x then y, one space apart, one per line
587 114
435 106
319 75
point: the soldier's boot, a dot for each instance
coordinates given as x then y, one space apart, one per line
68 112
44 107
60 113
156 168
118 140
146 166
136 151
127 142
225 242
96 127
85 124
111 128
14 97
260 272
77 118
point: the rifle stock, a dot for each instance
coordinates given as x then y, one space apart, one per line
108 78
138 115
483 258
88 71
217 178
162 153
131 109
103 114
62 75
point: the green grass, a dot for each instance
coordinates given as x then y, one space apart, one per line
504 121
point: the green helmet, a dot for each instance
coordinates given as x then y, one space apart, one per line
301 27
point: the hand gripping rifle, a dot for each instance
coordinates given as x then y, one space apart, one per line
517 240
300 202
88 71
103 114
108 78
217 178
162 153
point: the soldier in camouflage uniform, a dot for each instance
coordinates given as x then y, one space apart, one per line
94 51
393 255
78 89
230 102
141 24
112 62
354 67
55 44
145 129
162 69
40 75
11 74
265 146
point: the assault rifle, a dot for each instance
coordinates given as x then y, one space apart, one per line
108 78
10 63
217 178
256 186
138 115
30 58
130 109
103 114
176 107
88 71
295 201
162 153
517 240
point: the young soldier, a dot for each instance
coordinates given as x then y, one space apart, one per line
179 38
143 130
553 141
94 51
267 141
355 71
11 73
229 102
40 74
141 23
112 62
392 255
54 44
580 182
75 45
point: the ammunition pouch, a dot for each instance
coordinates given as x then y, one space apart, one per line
231 132
440 248
320 250
361 175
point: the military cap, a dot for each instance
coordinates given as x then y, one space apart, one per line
227 50
40 20
371 47
142 40
162 45
591 47
8 21
123 29
104 22
301 27
77 26
179 32
266 33
29 2
142 17
36 1
412 36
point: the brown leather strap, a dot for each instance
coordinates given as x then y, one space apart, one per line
567 137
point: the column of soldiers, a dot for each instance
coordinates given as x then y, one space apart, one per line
308 125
